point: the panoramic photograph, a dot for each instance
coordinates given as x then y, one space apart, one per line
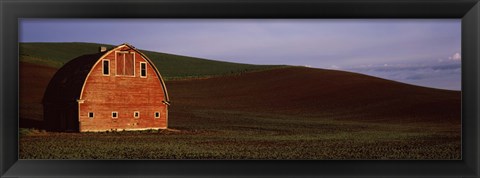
240 89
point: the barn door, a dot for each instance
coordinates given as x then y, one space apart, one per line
129 64
125 63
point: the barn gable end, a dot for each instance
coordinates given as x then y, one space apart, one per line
119 89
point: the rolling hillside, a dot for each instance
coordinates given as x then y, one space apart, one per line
319 93
172 66
285 113
291 91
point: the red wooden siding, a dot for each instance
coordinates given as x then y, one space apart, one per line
124 94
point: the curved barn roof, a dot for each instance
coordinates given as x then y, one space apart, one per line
68 82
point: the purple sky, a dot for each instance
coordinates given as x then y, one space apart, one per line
415 51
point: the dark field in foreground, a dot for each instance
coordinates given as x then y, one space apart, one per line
272 138
290 113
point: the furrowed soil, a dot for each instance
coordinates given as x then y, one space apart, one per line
287 113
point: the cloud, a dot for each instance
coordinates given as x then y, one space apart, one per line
334 67
456 57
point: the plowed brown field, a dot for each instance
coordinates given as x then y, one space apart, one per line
33 80
317 92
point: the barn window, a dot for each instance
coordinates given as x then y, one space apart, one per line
143 69
114 114
90 115
106 67
157 114
136 114
125 62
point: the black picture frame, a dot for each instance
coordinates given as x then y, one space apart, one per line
12 11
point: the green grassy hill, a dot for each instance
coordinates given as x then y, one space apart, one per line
171 66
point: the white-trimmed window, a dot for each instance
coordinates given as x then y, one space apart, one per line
114 114
143 69
106 67
157 114
136 114
91 115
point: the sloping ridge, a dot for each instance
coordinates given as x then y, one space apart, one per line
291 91
171 66
318 92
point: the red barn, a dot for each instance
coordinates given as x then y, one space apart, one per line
116 89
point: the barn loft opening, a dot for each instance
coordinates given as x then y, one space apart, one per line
125 63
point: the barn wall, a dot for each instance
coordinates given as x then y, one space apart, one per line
124 94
